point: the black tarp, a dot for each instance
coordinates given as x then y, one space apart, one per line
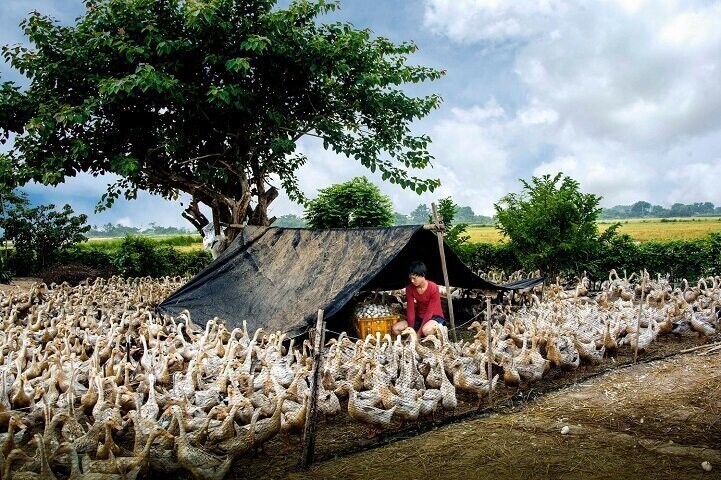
278 278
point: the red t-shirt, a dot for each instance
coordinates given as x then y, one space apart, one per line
429 303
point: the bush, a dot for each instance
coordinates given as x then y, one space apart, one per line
97 258
5 273
551 225
141 256
356 203
690 259
132 257
136 258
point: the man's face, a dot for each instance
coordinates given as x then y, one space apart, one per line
416 280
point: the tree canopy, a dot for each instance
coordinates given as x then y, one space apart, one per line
356 203
551 224
209 97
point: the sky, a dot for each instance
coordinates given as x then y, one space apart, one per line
622 95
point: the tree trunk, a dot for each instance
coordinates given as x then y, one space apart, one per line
230 214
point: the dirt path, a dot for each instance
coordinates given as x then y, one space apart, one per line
657 420
19 284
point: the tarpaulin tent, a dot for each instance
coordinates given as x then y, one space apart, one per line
278 278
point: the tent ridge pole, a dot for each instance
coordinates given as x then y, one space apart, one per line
441 250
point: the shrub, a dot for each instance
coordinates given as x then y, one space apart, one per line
356 203
141 256
690 259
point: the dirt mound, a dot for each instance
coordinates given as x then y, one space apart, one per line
73 274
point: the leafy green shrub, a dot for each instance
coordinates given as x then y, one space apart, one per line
140 257
690 259
136 257
552 225
98 258
194 261
6 274
356 203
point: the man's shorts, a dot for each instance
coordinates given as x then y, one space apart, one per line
419 320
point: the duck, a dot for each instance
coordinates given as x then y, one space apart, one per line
150 409
375 418
201 464
406 402
77 474
561 352
7 440
269 427
448 391
704 329
472 383
589 352
511 377
15 455
124 464
294 421
609 342
430 401
242 443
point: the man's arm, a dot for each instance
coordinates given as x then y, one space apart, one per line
435 299
411 308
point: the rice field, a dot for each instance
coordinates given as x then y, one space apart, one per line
183 243
642 230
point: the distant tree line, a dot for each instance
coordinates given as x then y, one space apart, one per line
117 230
422 214
646 210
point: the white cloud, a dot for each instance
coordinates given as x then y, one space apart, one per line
494 20
615 89
471 159
695 182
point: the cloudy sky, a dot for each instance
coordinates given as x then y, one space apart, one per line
623 95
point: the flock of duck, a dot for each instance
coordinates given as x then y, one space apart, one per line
95 385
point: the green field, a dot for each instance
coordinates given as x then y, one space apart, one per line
182 243
642 230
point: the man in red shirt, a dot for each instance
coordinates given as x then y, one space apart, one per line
424 303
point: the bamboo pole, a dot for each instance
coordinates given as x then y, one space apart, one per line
441 250
640 311
489 352
312 413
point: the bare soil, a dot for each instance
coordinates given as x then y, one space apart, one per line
19 284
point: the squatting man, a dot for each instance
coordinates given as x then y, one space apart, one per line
424 302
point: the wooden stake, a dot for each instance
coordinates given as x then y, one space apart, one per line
489 353
640 310
312 414
441 250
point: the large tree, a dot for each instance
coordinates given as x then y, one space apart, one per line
551 225
209 97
